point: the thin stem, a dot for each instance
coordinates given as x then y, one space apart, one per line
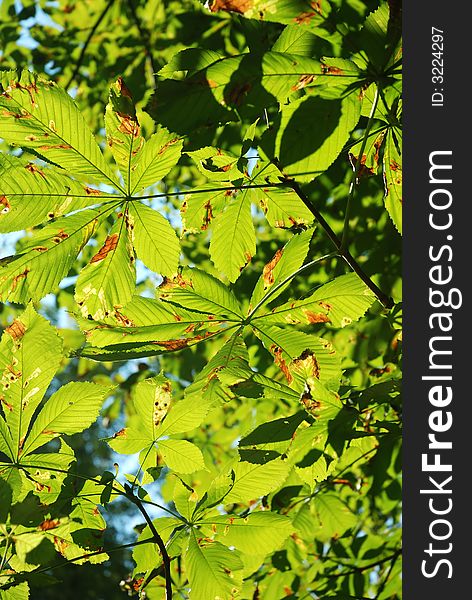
5 554
357 169
377 131
277 287
346 255
159 541
377 563
235 188
146 39
100 18
63 563
387 575
329 481
97 481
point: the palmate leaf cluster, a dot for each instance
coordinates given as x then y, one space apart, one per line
212 279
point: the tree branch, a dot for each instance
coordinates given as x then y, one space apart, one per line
377 563
159 541
101 16
344 252
146 39
357 169
389 572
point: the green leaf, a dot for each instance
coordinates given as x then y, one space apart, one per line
109 280
151 400
30 354
296 40
70 410
130 440
209 95
184 498
274 436
29 196
199 209
44 474
233 243
38 114
393 180
189 60
154 239
334 517
293 350
47 257
302 12
157 157
183 416
320 402
199 291
153 421
339 303
207 386
142 320
284 263
258 533
123 130
374 37
216 164
15 592
213 570
252 480
303 152
181 456
314 473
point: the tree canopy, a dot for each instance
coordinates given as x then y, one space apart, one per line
200 287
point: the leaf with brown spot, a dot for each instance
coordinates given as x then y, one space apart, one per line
5 204
92 191
308 13
122 319
108 282
51 123
199 210
29 357
58 146
307 364
32 168
173 345
49 524
109 246
17 278
313 317
299 355
339 302
281 362
393 180
285 262
303 81
16 330
268 270
239 6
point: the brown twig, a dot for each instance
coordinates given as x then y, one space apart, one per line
159 541
101 16
145 37
344 252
